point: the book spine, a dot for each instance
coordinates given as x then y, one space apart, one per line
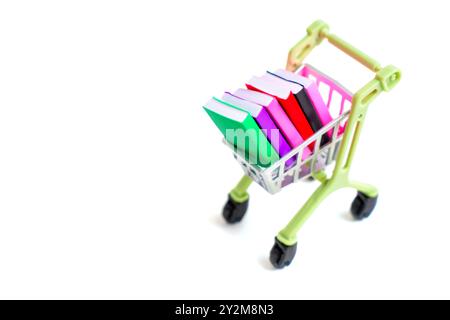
311 114
274 135
284 124
319 105
296 115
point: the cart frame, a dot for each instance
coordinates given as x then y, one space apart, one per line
385 79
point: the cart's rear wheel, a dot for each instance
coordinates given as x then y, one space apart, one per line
363 206
233 212
282 255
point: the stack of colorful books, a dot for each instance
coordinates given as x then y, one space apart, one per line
275 114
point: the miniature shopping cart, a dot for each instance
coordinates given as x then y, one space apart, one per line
345 130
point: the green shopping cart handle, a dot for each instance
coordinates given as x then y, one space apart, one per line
319 30
355 53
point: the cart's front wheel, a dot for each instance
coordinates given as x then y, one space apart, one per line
233 212
282 255
363 206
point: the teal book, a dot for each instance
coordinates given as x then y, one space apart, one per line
240 130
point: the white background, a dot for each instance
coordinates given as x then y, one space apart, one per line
112 177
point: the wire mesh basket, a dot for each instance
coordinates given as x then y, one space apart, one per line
279 174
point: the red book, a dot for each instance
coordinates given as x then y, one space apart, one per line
287 100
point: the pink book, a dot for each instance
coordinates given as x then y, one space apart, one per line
277 114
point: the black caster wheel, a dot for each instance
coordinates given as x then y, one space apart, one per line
282 255
233 212
363 206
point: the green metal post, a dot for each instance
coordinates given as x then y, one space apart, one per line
239 193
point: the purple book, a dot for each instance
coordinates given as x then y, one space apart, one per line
264 121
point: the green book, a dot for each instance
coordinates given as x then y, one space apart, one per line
240 130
